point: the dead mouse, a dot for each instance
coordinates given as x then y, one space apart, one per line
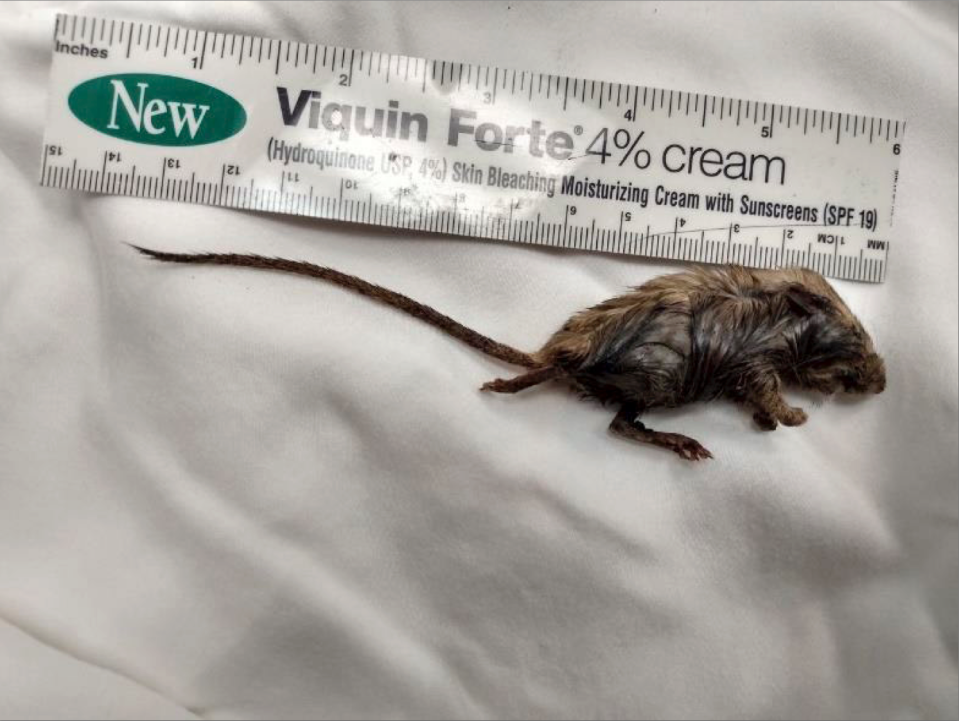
706 333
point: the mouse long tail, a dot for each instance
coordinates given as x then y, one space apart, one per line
404 303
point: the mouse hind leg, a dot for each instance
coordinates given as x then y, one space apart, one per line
627 425
521 382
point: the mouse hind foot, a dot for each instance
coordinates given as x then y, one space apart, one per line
626 424
521 382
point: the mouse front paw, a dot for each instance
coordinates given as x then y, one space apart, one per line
793 417
765 421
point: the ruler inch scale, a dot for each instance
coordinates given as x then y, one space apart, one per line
195 116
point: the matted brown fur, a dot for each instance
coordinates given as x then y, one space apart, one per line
706 333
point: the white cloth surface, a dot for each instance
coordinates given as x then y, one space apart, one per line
232 494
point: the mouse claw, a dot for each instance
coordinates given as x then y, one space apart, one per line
697 453
693 451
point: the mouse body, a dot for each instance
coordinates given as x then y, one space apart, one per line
708 333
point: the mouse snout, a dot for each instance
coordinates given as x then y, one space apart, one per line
868 376
874 374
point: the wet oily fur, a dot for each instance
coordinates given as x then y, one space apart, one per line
720 332
707 333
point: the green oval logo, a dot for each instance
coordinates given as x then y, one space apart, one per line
157 109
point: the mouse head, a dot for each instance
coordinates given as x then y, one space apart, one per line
832 351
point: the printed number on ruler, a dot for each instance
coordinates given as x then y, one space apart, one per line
194 116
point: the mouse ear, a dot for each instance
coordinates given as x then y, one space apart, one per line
805 302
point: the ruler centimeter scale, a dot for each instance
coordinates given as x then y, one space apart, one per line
187 115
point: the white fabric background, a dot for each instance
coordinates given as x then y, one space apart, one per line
234 494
